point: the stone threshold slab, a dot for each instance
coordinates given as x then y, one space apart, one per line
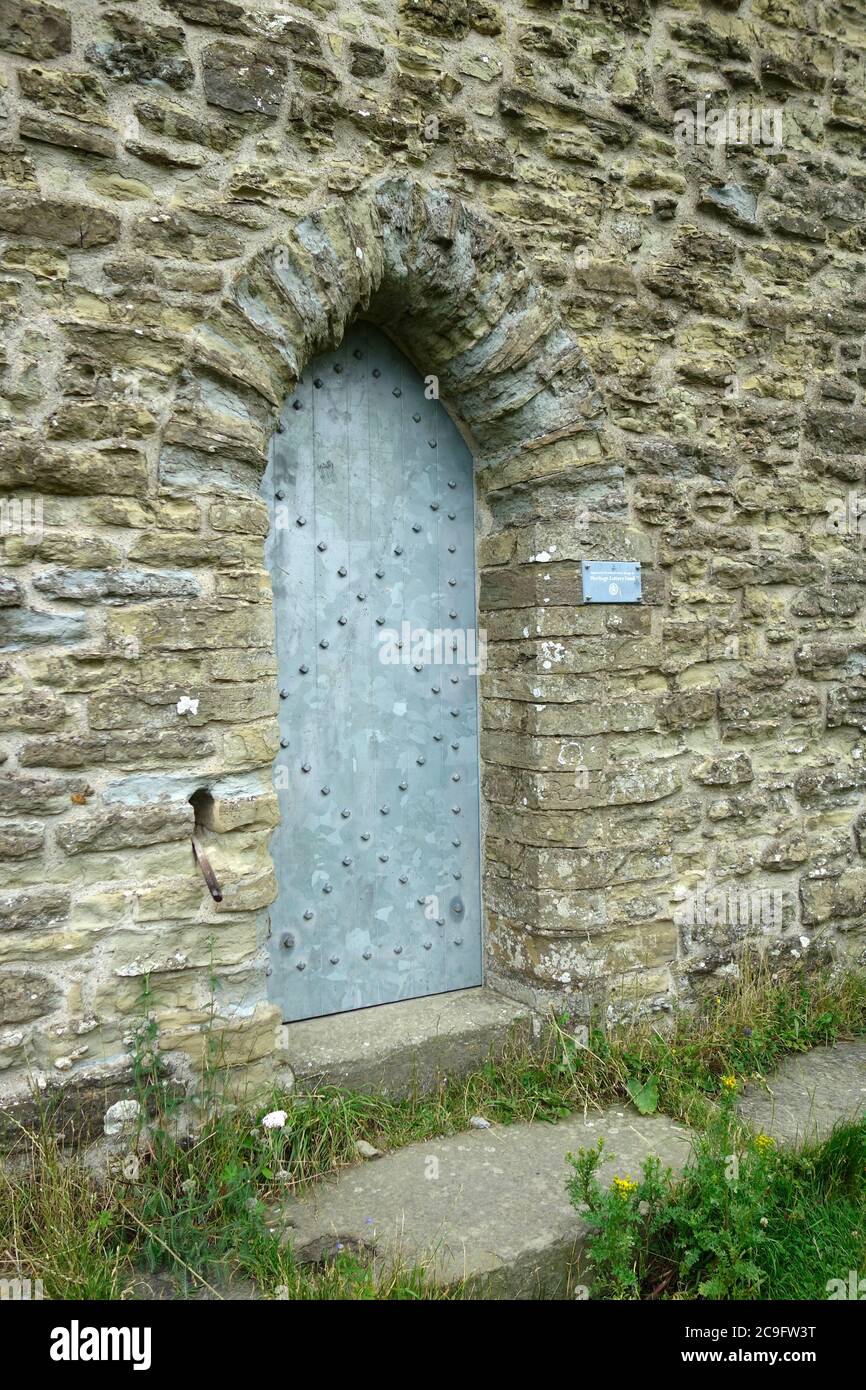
393 1049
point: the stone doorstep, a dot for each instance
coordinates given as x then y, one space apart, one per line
488 1206
393 1049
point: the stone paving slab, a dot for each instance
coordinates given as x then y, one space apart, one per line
809 1093
488 1205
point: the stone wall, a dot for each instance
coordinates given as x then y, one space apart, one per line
655 345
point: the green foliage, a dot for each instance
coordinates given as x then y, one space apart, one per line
644 1094
743 1221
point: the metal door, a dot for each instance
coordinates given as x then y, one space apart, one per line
371 553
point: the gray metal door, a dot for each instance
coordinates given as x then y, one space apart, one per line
371 553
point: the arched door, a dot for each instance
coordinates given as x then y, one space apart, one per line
371 553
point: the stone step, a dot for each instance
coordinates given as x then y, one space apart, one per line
394 1048
488 1206
809 1093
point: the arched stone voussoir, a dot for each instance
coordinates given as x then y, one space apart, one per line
453 290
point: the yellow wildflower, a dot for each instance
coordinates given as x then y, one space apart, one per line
764 1142
623 1186
729 1083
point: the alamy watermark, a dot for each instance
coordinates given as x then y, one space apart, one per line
21 516
851 1288
846 516
21 1290
743 124
420 647
77 1343
732 907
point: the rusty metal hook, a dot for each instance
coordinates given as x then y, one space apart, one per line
207 872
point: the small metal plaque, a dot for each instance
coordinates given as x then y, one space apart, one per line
611 581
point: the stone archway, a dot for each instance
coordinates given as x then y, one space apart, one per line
464 304
176 697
